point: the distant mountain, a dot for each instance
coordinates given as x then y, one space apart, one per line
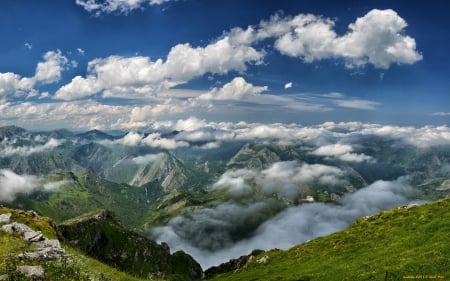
41 163
96 156
11 131
57 134
94 135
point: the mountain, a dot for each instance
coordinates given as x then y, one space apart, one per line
85 192
10 132
39 163
165 170
96 156
404 243
32 248
94 135
100 236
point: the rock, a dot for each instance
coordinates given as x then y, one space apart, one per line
33 236
32 213
5 218
232 265
262 259
31 271
18 228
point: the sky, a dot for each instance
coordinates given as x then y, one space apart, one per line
126 64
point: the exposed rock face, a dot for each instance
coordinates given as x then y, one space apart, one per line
253 157
45 248
233 264
165 170
101 236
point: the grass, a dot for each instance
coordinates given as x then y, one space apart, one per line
78 267
401 243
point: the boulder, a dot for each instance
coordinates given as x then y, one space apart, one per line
31 270
5 218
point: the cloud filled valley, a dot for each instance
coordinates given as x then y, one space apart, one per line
209 235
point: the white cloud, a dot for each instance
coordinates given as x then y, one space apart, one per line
333 150
342 152
358 104
28 45
441 113
99 7
50 186
376 38
155 140
284 178
288 85
148 158
139 76
237 89
80 51
190 124
8 150
49 71
12 184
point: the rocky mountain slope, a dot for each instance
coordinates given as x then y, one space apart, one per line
30 249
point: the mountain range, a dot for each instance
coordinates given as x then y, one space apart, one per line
215 201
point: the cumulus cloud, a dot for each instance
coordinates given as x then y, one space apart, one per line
342 152
237 89
47 71
12 184
192 232
138 76
288 85
376 38
8 150
190 124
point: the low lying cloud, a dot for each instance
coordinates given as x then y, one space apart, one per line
148 158
295 225
284 178
342 152
153 140
12 184
9 150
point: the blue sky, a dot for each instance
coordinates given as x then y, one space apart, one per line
128 63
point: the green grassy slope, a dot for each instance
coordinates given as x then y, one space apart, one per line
78 267
404 244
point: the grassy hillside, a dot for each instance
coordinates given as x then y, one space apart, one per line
77 267
399 244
